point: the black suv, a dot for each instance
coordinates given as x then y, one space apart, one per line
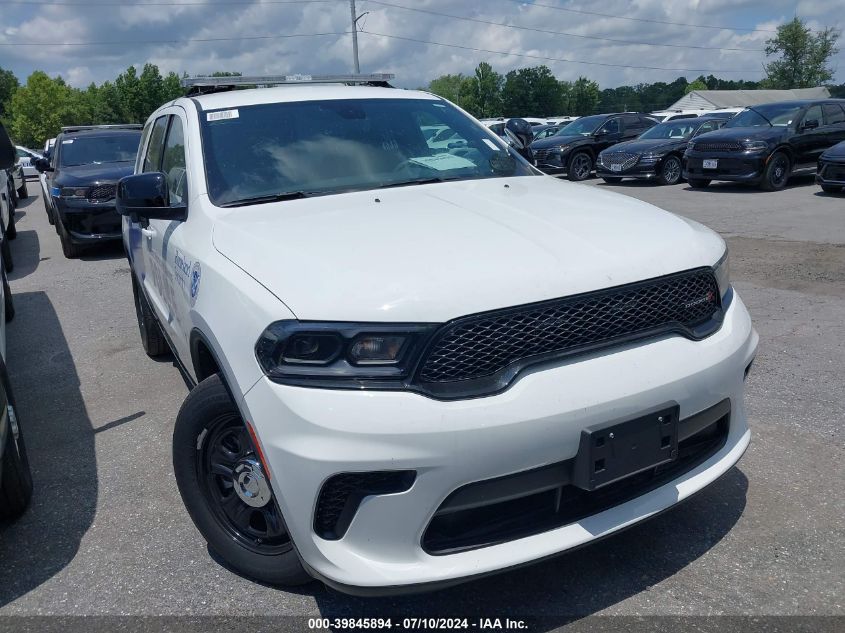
82 173
766 144
656 154
574 148
831 172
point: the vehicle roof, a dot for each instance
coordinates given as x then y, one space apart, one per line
311 92
101 132
797 102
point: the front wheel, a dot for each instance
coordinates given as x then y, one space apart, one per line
698 183
152 338
670 171
580 166
6 252
8 302
23 192
776 173
70 250
226 491
16 478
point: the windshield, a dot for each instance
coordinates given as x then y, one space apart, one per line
772 114
260 152
87 150
678 130
584 126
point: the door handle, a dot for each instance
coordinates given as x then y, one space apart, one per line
148 232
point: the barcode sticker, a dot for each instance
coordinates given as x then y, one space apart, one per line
222 115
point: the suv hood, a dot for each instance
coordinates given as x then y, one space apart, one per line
93 173
554 141
430 253
837 152
640 146
744 134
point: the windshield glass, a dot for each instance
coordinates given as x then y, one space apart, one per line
320 147
772 114
87 150
678 129
585 125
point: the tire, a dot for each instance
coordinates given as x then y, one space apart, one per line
152 338
698 183
776 173
580 166
611 180
11 230
70 250
48 209
16 481
670 171
6 252
23 192
831 188
209 429
8 301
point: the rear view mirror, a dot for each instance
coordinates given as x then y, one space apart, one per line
8 155
42 164
146 196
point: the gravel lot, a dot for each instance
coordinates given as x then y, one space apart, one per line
107 532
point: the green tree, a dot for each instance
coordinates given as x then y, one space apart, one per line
459 89
804 56
8 84
583 97
487 91
42 106
698 84
532 91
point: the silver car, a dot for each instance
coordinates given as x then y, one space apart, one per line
26 156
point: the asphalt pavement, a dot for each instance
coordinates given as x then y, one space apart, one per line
108 534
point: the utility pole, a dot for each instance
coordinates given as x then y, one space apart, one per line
355 18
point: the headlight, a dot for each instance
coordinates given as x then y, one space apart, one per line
690 144
652 156
562 148
340 354
723 275
73 192
755 146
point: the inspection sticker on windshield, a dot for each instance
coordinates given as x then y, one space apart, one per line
67 142
222 115
442 162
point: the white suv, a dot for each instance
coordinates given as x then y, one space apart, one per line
415 367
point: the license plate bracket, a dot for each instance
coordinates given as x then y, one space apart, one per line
610 452
615 167
710 163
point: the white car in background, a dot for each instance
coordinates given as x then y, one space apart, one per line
412 368
26 156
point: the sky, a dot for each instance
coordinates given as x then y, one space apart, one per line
635 41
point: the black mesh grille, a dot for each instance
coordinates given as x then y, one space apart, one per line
482 345
102 192
626 160
341 495
718 146
834 172
542 154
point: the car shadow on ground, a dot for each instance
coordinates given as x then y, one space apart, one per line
60 442
100 252
26 253
579 583
731 187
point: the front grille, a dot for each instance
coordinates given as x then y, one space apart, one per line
341 495
625 160
833 171
532 502
101 193
717 146
541 155
485 345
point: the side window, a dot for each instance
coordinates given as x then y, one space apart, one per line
611 127
833 113
173 162
152 159
814 113
707 127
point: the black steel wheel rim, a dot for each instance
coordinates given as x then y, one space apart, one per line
581 166
672 170
780 167
260 530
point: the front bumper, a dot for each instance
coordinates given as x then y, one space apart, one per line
831 173
89 222
552 163
731 166
640 171
308 435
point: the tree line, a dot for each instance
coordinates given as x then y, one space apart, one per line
36 110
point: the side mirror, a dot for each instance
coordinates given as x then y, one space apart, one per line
146 196
810 124
42 164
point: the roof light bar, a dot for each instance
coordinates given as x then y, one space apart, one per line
119 126
199 85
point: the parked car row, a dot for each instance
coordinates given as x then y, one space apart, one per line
762 145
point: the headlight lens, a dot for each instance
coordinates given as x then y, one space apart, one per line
722 273
755 146
690 144
562 148
73 192
336 353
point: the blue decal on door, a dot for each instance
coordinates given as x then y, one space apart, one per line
196 276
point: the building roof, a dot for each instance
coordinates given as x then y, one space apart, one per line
712 99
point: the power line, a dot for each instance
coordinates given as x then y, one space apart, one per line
183 41
549 32
625 17
558 59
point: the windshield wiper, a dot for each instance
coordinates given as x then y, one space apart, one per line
420 181
762 115
273 197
